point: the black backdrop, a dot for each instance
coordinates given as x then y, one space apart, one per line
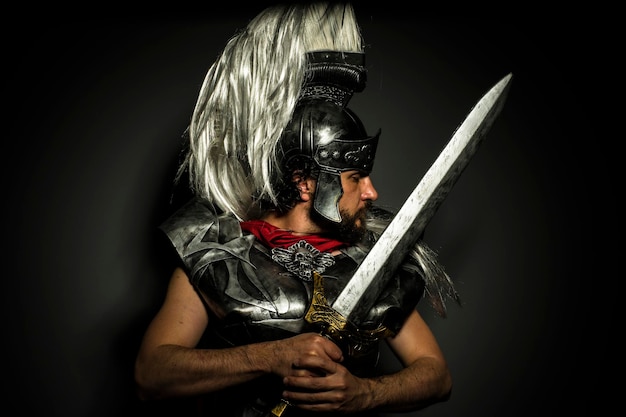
96 109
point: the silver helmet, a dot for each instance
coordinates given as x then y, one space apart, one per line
325 132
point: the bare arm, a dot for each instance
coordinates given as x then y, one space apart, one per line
424 380
169 364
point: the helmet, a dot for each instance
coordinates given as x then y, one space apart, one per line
334 139
324 131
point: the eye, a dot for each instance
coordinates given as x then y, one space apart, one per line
356 177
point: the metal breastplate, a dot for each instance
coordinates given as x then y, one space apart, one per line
252 295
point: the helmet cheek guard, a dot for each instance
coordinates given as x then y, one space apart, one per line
328 192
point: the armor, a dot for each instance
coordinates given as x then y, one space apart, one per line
254 293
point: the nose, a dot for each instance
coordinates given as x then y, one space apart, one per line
368 192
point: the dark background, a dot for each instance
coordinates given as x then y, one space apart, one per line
96 109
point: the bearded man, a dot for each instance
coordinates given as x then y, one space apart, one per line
283 209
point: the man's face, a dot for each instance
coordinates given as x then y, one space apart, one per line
358 195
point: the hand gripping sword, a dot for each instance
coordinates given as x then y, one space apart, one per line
395 242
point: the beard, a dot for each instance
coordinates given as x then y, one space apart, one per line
350 230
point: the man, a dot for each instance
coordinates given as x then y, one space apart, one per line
282 214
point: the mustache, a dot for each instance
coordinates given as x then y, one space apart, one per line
366 209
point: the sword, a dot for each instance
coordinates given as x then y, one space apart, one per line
395 242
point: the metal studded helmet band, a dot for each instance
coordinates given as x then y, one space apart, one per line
325 132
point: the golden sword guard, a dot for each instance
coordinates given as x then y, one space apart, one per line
352 340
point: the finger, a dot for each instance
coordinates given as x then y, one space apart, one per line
332 350
323 346
320 401
313 384
317 364
304 372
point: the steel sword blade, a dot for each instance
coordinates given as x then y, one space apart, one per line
402 233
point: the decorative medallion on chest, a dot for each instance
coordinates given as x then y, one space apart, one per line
302 259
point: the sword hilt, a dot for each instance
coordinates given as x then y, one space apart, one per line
352 341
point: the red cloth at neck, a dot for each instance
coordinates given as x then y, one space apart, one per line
273 237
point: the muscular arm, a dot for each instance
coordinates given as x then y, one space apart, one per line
169 364
424 379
